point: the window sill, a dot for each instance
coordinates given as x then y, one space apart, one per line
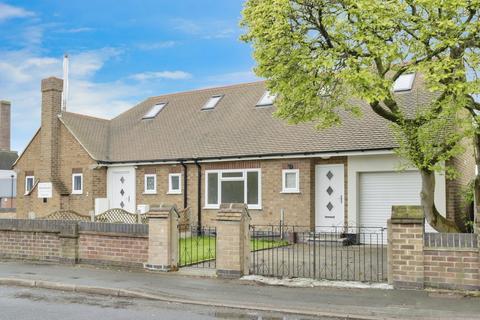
151 192
218 208
76 193
174 192
294 192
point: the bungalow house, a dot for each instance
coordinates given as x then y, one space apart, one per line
200 148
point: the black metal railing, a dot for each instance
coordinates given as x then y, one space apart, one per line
197 246
332 253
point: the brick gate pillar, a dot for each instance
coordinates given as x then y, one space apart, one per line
233 240
405 247
162 238
68 243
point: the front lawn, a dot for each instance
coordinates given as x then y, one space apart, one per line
203 248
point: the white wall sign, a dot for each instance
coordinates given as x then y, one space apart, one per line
44 190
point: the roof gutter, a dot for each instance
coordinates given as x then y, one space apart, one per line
271 156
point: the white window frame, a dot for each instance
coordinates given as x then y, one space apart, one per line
170 189
242 178
26 184
145 178
297 181
73 183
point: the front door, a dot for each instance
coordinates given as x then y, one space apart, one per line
329 197
121 188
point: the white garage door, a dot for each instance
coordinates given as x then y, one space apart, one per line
379 191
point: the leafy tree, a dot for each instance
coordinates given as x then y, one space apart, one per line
323 56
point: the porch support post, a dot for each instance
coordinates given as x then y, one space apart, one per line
233 240
405 247
162 238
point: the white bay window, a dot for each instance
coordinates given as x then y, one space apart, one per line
233 186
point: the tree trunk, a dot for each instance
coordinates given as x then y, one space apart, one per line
434 218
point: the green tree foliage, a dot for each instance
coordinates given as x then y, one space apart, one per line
326 57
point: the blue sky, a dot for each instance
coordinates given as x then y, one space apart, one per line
121 52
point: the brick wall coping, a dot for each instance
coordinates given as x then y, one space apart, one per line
451 240
26 225
72 228
122 229
428 250
114 234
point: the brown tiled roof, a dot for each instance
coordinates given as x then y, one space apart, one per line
236 127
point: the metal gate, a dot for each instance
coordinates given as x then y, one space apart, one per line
197 246
332 253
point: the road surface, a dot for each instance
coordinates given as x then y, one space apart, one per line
38 304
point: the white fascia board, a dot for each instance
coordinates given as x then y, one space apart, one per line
287 156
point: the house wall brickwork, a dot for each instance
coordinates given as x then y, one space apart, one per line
71 156
162 195
455 188
297 206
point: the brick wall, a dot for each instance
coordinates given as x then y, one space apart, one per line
26 245
452 268
437 260
72 242
108 249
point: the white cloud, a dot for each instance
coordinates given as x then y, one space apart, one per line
77 30
10 12
156 45
232 77
86 64
215 29
152 75
21 73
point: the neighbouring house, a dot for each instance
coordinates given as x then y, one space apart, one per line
8 177
200 148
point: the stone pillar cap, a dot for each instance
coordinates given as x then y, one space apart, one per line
163 210
52 83
232 211
410 213
5 102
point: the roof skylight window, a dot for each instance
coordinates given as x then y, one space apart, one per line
152 113
266 100
404 82
212 102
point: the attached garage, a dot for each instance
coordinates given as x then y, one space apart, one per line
379 191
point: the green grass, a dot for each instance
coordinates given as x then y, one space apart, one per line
203 248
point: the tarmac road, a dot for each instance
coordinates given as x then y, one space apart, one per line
18 303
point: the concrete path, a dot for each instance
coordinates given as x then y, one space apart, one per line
351 303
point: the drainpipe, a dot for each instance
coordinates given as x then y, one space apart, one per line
11 195
185 185
199 193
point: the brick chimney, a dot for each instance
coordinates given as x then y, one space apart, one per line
50 130
5 125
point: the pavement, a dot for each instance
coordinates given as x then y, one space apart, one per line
243 295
